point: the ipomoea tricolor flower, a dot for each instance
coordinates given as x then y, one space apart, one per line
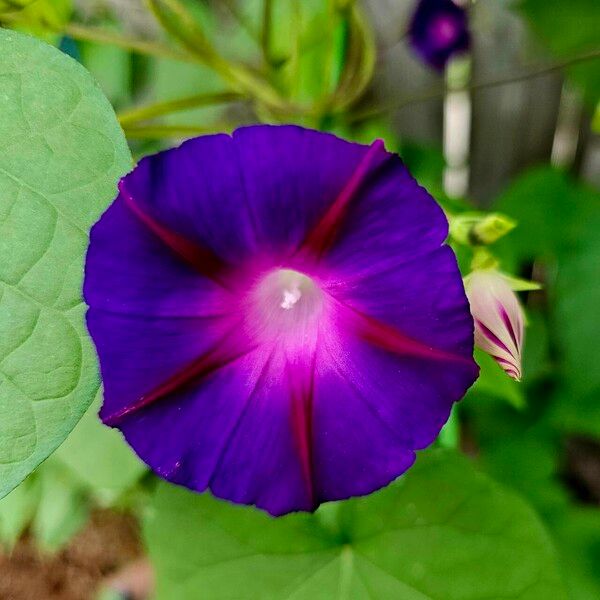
277 316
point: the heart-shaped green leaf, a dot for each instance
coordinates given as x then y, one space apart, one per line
569 29
442 531
61 154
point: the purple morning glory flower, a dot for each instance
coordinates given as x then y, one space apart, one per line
277 317
439 30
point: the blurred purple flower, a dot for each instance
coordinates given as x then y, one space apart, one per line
498 316
439 30
277 317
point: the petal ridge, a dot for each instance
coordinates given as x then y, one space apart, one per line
352 385
216 357
301 379
388 338
240 417
202 259
321 236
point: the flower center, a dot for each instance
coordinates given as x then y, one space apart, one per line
286 304
290 295
444 30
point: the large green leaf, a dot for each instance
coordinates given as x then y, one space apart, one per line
569 29
525 453
558 221
99 457
443 531
63 506
552 211
17 510
577 297
493 381
578 535
93 467
61 155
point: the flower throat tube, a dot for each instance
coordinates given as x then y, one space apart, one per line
277 316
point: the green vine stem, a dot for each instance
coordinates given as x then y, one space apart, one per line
242 20
157 132
356 66
265 33
158 109
180 23
102 36
359 61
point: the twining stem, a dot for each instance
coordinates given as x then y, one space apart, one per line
176 19
440 92
102 36
360 60
236 75
150 111
94 34
339 49
294 59
265 32
243 21
157 132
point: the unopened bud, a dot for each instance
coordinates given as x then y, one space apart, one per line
499 319
476 229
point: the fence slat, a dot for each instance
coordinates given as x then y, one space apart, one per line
399 74
513 125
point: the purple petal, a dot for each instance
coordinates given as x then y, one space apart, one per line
438 30
197 191
255 198
138 354
368 394
276 316
419 297
392 221
129 270
231 434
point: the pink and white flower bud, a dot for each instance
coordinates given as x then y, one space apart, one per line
499 320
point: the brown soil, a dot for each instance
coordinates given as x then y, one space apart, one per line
108 542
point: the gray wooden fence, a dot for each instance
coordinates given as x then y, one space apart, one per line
512 126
